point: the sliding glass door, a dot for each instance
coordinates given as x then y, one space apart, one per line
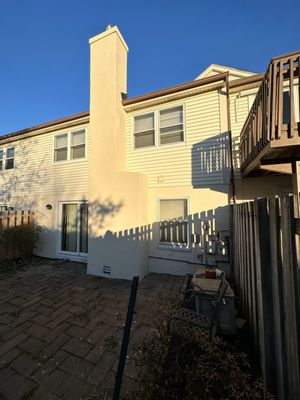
74 228
83 232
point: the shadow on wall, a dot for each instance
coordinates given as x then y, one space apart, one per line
102 211
28 186
23 179
236 154
249 188
73 228
202 238
211 163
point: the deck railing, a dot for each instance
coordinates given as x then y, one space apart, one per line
274 115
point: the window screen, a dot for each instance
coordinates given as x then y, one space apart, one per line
10 154
77 144
171 125
61 147
144 131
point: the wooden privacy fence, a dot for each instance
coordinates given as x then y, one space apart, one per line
266 273
9 219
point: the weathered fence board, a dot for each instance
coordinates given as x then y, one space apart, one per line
15 218
276 273
289 298
253 311
259 291
266 272
10 219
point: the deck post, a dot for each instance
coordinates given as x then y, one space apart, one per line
296 191
296 186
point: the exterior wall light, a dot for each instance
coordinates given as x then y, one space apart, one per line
49 207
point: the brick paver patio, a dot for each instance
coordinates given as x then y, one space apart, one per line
60 329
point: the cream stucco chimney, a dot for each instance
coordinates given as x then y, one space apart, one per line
117 198
108 80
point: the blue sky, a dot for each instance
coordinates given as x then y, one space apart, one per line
44 52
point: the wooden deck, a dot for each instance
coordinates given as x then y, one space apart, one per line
271 133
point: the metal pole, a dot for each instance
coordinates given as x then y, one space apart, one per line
125 341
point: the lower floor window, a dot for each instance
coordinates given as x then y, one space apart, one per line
173 221
74 227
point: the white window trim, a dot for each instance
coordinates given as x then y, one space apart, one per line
61 253
54 148
5 158
68 160
10 158
158 124
156 113
76 145
170 245
134 132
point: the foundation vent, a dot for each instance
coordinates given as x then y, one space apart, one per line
106 269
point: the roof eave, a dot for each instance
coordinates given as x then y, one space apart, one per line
175 89
50 124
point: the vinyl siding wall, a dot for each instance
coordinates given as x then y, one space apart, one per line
193 161
240 104
36 180
35 173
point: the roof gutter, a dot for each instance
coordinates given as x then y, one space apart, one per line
175 89
245 81
45 125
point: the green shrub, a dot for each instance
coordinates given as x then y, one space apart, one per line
175 369
19 241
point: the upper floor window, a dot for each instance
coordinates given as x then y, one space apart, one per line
61 147
7 157
171 125
69 146
159 127
77 144
10 155
144 132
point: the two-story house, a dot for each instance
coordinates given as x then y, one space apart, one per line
138 184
